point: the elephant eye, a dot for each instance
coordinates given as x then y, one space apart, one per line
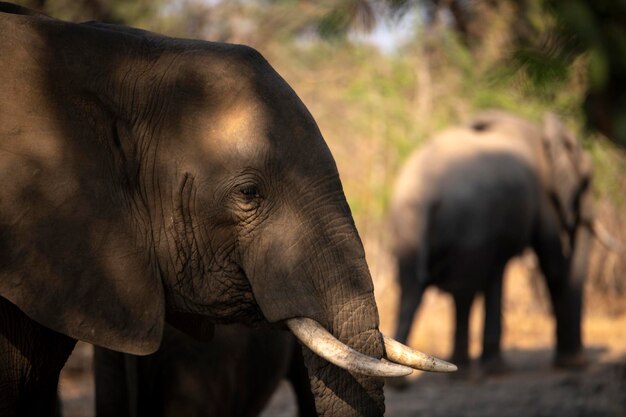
249 193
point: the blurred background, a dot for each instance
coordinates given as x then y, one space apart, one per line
380 78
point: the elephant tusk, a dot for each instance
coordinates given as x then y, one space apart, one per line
604 237
322 343
404 355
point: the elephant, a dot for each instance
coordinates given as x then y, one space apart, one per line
151 179
474 197
232 375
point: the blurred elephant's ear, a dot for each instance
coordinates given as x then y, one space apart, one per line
569 168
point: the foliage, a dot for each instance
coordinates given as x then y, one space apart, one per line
599 29
546 37
349 14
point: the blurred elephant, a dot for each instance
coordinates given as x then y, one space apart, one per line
233 375
146 176
476 196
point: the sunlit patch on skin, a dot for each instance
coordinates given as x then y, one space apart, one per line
237 119
242 126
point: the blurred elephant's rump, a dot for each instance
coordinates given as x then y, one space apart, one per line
476 196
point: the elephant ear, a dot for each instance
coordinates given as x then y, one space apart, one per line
570 170
71 254
72 263
75 247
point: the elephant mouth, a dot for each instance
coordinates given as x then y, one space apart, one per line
400 359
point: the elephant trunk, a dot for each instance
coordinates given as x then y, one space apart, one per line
352 385
337 391
320 261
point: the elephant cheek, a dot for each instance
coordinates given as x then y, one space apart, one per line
283 280
289 298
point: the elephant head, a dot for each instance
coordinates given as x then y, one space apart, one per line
147 176
568 184
567 176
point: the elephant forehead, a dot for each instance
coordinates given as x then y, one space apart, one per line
246 119
239 130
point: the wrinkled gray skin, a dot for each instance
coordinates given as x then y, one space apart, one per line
146 175
476 196
233 375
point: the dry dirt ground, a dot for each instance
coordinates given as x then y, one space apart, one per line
531 389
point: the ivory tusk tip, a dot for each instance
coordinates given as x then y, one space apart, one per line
444 366
401 354
438 365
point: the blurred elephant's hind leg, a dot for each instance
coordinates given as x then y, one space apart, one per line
463 301
491 360
411 291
